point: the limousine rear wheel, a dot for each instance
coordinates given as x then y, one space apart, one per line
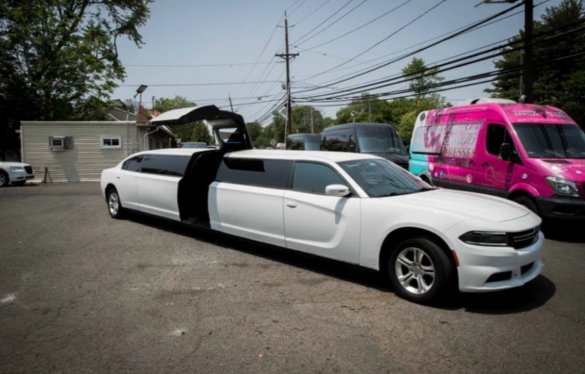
114 204
419 270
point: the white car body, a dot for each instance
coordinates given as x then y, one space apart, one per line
14 173
356 208
350 229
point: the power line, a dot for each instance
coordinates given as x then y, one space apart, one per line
327 19
412 53
359 27
198 84
438 68
332 23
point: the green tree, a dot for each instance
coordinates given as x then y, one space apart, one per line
307 119
422 78
164 104
200 133
367 108
58 58
559 79
254 130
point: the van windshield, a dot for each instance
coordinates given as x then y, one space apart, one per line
379 178
551 141
379 139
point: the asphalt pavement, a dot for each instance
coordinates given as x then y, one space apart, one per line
81 292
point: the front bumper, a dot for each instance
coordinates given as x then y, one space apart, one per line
20 176
485 269
570 208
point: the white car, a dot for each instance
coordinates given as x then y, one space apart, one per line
16 173
355 208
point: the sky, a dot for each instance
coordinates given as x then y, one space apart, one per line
209 51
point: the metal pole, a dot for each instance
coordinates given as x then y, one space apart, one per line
528 78
287 56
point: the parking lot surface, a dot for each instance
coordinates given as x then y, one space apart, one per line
81 292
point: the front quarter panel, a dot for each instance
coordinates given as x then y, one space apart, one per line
382 216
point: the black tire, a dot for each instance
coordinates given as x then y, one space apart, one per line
114 204
4 180
420 270
526 202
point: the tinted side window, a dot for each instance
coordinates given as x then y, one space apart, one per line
496 135
339 140
173 165
295 142
132 164
313 178
263 173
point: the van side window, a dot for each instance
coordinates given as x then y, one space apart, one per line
496 135
340 140
253 172
165 164
313 177
132 164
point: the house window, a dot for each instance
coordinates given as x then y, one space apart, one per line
111 142
60 143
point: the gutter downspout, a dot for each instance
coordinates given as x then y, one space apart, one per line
146 141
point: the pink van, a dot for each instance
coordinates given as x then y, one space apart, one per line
532 154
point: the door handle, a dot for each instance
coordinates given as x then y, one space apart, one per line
291 205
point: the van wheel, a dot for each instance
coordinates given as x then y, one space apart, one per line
526 202
419 270
3 179
114 204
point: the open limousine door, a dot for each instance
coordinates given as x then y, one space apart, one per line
229 128
229 131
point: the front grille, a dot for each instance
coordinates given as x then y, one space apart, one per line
524 239
28 169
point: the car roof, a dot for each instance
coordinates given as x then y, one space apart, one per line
300 155
353 125
173 151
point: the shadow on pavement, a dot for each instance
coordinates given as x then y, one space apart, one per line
516 300
531 296
347 272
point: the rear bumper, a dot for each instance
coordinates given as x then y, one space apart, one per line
570 208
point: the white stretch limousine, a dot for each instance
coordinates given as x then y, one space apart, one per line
355 208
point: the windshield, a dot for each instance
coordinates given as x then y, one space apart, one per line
383 178
551 141
379 139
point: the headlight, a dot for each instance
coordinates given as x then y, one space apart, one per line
486 238
562 186
17 168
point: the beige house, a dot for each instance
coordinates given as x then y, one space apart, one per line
76 151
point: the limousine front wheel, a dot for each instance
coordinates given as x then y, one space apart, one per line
419 270
114 204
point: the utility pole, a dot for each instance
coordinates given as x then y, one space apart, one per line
528 96
526 79
287 57
231 105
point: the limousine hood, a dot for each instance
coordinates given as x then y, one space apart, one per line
467 205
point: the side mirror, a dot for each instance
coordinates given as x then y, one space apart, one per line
337 190
506 151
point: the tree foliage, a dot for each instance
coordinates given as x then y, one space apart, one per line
422 79
164 104
58 58
367 108
559 79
